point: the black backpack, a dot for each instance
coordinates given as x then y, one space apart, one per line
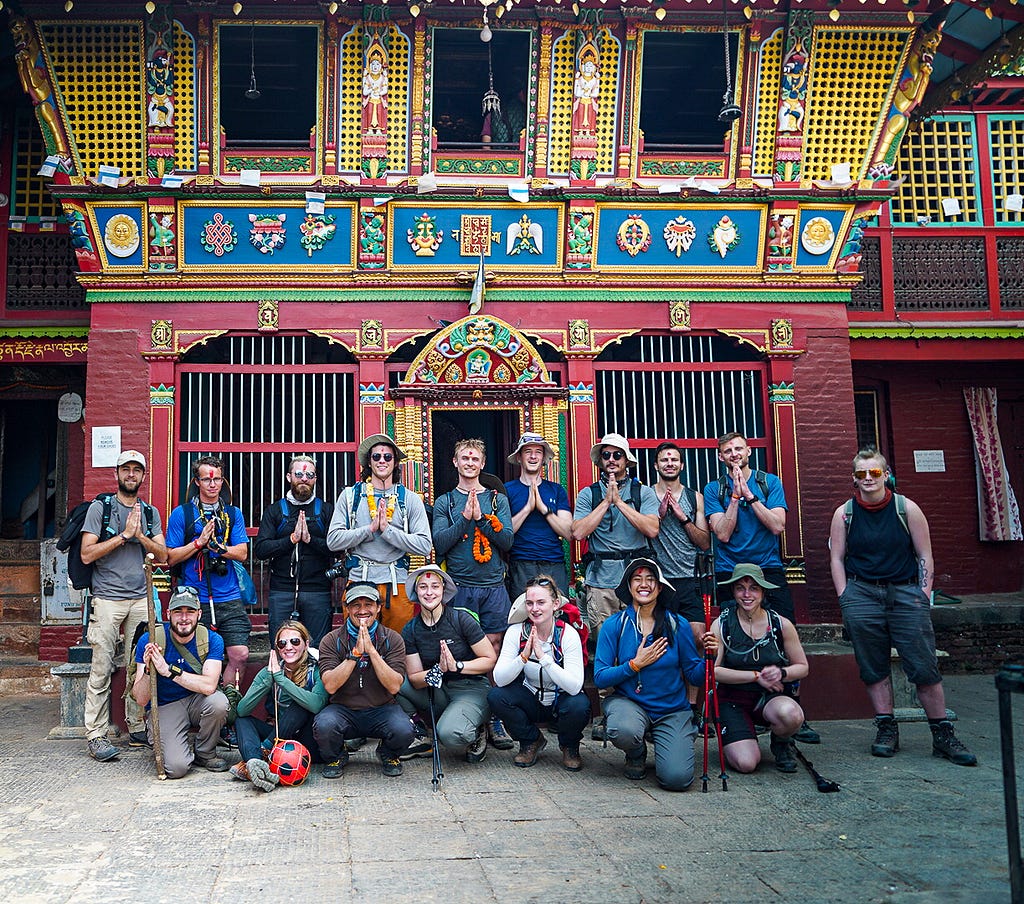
70 540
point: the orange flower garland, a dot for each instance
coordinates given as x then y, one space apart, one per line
482 551
371 501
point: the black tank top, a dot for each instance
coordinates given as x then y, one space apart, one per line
878 546
744 653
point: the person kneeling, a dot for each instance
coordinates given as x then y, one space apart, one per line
539 676
760 662
362 665
643 654
294 694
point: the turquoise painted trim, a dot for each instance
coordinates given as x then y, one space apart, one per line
1003 217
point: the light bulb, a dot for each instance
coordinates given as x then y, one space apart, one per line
151 7
485 33
237 8
833 14
414 10
659 13
333 8
70 5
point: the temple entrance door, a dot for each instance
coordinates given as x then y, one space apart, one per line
498 428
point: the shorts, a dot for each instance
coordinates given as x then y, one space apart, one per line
879 617
741 709
491 604
687 602
233 623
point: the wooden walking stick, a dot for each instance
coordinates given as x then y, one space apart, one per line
154 705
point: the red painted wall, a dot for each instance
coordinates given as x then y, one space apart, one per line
928 412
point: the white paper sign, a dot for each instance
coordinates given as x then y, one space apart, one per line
109 175
950 207
249 177
841 172
106 446
315 202
929 461
1014 203
49 166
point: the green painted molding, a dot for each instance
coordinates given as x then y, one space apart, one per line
896 331
49 332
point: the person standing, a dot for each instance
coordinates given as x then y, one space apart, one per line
472 530
379 524
541 518
882 569
206 537
117 551
293 537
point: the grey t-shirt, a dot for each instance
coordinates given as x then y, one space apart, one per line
118 575
677 553
614 534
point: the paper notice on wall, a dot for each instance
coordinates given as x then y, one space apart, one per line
106 446
929 461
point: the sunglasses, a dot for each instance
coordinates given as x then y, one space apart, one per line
610 455
304 475
294 641
540 582
872 472
382 456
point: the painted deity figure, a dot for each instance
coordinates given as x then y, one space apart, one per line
375 90
586 89
35 80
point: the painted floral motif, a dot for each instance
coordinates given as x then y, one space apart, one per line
634 235
268 233
316 231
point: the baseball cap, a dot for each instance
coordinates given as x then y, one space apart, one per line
131 455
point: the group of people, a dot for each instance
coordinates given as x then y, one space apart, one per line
482 647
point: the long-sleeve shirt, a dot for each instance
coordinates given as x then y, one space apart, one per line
454 536
541 678
288 692
659 688
305 561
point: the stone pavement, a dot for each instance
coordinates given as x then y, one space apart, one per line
908 830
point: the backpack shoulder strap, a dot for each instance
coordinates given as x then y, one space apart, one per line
150 513
108 508
691 498
723 490
188 512
761 479
848 515
595 495
284 508
901 510
634 493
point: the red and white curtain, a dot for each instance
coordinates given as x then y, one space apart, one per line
999 516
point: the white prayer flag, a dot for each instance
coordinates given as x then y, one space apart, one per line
109 175
315 202
49 166
951 207
426 183
519 191
249 177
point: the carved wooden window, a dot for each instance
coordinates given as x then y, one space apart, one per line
936 273
1010 254
867 294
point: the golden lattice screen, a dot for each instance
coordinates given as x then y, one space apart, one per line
1006 139
939 161
98 67
31 196
768 79
851 76
184 100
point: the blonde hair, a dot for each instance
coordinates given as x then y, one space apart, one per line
303 666
474 443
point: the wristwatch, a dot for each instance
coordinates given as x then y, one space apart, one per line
783 673
176 670
459 666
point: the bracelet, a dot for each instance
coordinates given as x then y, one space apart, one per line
196 544
735 496
757 675
525 659
634 667
175 671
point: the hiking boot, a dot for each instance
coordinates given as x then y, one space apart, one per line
353 744
597 733
102 750
261 776
636 765
782 750
241 771
390 764
528 753
214 764
421 745
498 737
138 739
476 751
334 768
946 743
807 735
571 760
887 737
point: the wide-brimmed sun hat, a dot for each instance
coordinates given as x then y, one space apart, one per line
378 439
616 440
667 592
531 439
450 590
749 570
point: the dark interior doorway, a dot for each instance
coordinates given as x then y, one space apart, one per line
499 429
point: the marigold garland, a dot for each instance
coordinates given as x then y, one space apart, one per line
482 551
371 501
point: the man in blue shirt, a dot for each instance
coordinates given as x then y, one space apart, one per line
541 518
188 664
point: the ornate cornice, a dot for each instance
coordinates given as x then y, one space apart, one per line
47 332
899 331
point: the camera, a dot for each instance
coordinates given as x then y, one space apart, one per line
337 570
218 566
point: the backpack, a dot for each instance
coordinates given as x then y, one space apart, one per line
189 515
760 478
70 540
202 646
774 627
570 616
901 512
285 513
352 561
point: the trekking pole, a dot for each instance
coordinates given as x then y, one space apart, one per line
433 678
707 577
154 704
824 785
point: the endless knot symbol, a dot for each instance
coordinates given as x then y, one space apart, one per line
219 236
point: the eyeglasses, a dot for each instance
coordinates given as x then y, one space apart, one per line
382 456
304 475
873 472
211 480
606 455
294 641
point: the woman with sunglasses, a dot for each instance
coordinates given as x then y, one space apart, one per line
643 654
293 677
539 676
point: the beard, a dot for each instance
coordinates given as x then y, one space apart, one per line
126 490
302 491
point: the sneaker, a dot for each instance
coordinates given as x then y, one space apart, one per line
597 733
390 765
807 735
498 737
214 764
636 766
334 768
241 771
353 744
228 738
421 746
528 753
782 750
138 739
571 760
476 751
887 736
102 750
946 743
